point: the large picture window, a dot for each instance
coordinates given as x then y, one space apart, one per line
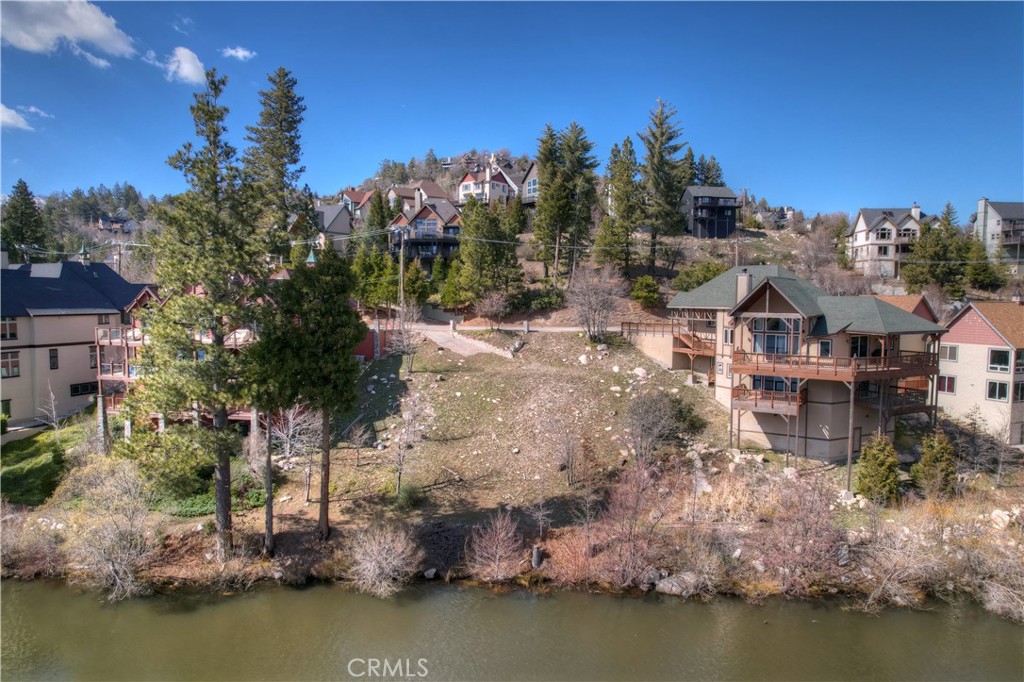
998 360
998 390
947 384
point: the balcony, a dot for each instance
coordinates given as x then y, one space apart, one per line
902 364
689 342
773 402
118 371
120 336
896 400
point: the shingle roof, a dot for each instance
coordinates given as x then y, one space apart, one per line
67 288
720 293
908 302
431 189
705 191
1008 210
867 315
445 209
1007 317
873 216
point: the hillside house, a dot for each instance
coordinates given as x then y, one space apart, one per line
711 212
430 230
485 185
800 370
880 239
48 313
334 225
1000 227
981 367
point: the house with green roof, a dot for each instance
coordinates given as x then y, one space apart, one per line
800 370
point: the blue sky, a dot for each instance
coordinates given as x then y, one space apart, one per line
822 106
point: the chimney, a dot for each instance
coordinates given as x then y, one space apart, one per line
743 281
915 211
419 199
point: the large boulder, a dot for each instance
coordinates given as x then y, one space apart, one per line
680 584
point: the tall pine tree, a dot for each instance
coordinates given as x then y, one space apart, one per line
663 175
22 225
713 173
211 265
275 151
614 237
553 203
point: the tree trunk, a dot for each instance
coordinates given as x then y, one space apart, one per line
268 489
222 489
653 255
324 525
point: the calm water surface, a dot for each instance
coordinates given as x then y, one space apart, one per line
327 633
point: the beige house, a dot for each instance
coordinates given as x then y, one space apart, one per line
800 370
48 314
981 367
880 239
999 225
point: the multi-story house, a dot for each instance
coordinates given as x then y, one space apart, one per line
416 193
1000 227
334 225
351 198
530 185
711 211
486 185
800 370
880 239
981 367
48 312
430 230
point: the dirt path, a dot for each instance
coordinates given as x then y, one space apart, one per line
456 344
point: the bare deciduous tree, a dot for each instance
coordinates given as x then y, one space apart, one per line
650 418
414 414
50 414
384 556
492 307
360 435
297 432
494 551
404 339
814 252
541 515
592 296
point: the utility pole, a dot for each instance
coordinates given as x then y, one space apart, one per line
401 272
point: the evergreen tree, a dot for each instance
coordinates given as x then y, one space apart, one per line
938 256
275 152
615 233
579 165
452 294
700 171
432 166
689 169
377 220
487 250
878 471
22 224
304 353
417 286
713 173
646 292
982 273
438 274
935 474
553 203
210 266
663 176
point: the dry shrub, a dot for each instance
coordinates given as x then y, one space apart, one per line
801 543
494 551
570 552
700 554
384 556
737 498
108 537
31 546
1001 585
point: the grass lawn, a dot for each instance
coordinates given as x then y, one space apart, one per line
31 468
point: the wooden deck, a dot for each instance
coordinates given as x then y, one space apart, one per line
773 402
904 364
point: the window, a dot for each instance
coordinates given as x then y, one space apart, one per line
727 337
103 319
946 384
1019 362
998 390
54 361
719 368
8 328
5 406
467 187
767 383
1018 392
531 187
88 388
858 346
728 370
998 360
883 250
92 357
908 232
825 349
948 352
884 233
10 364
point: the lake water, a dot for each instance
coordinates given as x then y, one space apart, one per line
436 632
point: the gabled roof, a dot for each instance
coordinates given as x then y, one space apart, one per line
875 216
720 293
1008 210
327 215
356 195
66 288
1005 317
431 189
404 192
706 191
801 294
481 176
909 303
867 315
366 199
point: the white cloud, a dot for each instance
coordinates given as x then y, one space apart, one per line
43 27
182 65
35 110
183 25
9 118
240 53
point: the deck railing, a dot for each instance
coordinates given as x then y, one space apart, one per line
904 361
770 400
